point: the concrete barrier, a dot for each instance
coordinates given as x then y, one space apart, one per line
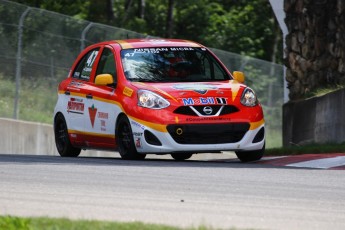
31 138
315 120
23 137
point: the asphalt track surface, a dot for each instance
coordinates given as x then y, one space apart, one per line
218 193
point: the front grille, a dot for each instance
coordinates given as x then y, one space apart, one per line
208 133
191 110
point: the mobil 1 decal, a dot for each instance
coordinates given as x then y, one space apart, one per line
205 101
199 88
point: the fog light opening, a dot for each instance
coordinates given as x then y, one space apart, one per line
259 136
151 138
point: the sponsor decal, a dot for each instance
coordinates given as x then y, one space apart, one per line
199 88
197 119
127 91
137 134
92 114
204 101
75 84
138 142
221 100
103 115
198 101
150 50
158 50
103 125
136 124
75 105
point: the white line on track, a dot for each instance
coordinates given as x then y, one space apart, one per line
321 163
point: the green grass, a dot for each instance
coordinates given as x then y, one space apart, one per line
307 149
7 92
44 223
273 139
36 101
323 91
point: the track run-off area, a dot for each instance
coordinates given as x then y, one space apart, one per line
294 192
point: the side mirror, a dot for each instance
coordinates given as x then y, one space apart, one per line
238 76
104 79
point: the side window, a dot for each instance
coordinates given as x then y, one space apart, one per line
107 63
84 67
219 73
212 69
207 68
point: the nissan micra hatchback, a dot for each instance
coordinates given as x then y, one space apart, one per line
149 96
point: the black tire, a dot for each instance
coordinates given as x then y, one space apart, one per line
248 156
125 141
62 142
181 156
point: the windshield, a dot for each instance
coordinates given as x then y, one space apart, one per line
171 64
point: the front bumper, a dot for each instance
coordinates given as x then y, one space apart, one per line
198 137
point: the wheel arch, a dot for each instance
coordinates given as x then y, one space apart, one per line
117 121
56 115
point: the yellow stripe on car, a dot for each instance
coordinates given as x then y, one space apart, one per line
71 131
158 127
255 125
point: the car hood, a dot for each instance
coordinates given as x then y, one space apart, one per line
197 92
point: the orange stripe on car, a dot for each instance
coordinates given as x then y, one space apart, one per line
235 87
71 131
124 44
158 127
255 125
192 44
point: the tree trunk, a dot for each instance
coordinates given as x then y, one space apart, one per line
128 4
109 11
170 19
141 7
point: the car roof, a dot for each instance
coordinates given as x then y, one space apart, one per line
150 43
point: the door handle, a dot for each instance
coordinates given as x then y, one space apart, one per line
67 92
89 96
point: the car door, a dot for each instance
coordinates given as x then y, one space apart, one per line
76 96
101 106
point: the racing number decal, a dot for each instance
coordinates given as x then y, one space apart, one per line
91 58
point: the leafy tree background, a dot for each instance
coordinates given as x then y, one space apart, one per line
246 27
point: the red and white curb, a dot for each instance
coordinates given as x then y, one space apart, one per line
317 161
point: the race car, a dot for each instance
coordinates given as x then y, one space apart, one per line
156 96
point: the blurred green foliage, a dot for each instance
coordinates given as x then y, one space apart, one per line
246 27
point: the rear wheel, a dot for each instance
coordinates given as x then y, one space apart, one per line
62 141
181 156
125 141
248 156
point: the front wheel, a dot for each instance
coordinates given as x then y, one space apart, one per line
248 156
181 156
125 141
62 141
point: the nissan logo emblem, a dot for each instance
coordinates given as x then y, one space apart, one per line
207 110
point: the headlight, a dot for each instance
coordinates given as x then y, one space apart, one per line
151 100
248 97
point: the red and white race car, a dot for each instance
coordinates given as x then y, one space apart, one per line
151 96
